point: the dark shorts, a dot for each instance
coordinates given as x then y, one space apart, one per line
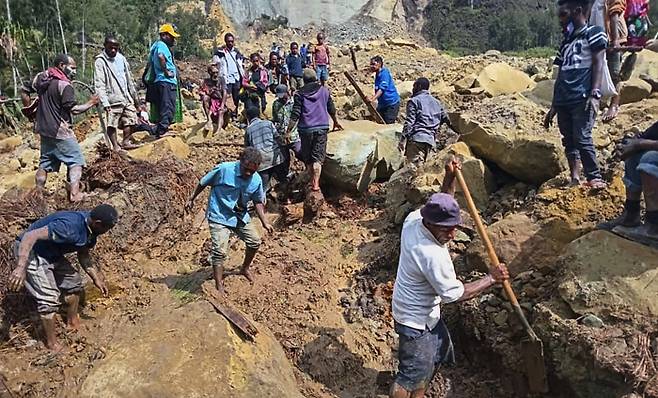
389 113
314 145
417 152
420 354
54 152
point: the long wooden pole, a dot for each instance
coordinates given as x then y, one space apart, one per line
373 112
61 28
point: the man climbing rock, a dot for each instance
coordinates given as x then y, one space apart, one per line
53 122
425 115
386 97
275 157
116 90
640 176
310 114
46 273
233 185
425 279
577 92
165 87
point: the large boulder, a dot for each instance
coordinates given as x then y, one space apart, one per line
410 187
520 242
361 153
10 143
542 93
500 78
606 274
508 132
405 88
162 148
634 90
646 64
190 351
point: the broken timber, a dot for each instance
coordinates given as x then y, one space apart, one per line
231 314
373 112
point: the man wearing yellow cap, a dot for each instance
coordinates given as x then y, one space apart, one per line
165 75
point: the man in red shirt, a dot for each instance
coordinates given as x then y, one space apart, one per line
321 59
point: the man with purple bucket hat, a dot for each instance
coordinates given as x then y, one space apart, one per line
425 279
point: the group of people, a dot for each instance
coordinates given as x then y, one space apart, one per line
301 115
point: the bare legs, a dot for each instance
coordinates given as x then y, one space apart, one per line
72 322
314 170
398 392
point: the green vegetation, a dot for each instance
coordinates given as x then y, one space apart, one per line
31 37
474 26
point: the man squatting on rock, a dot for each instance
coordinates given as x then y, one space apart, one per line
47 274
425 279
232 186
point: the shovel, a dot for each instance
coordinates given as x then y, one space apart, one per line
532 349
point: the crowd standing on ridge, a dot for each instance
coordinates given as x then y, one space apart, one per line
591 62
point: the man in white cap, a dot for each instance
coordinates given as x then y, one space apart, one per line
426 278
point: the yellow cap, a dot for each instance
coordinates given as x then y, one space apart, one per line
169 28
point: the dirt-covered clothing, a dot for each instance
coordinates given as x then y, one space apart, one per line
56 100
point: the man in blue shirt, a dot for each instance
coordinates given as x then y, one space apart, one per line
577 91
296 63
233 185
386 95
47 274
166 78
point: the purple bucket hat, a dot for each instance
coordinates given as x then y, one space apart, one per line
441 209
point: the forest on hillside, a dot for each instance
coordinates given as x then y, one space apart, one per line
473 26
34 31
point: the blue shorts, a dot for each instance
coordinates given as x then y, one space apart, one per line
642 162
322 71
54 152
420 354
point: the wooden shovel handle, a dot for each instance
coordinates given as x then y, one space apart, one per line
483 234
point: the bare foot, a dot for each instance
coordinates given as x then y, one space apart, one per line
55 346
73 323
129 145
220 288
610 114
575 182
596 184
80 197
247 274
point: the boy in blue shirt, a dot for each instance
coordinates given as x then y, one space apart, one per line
166 78
386 95
577 92
233 185
46 273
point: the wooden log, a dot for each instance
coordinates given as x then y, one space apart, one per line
373 112
231 314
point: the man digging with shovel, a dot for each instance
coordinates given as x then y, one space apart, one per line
426 278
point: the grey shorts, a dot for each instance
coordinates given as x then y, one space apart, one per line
642 162
46 281
121 116
417 152
220 235
54 152
420 354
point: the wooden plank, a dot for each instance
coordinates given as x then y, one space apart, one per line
373 112
231 314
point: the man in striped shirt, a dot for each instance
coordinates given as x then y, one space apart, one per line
577 92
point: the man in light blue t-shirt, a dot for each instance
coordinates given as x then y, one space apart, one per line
232 186
165 85
386 95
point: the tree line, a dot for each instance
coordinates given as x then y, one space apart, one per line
34 31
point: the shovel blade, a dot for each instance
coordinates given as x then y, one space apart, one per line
532 352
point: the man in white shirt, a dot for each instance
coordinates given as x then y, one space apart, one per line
232 68
116 90
426 278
